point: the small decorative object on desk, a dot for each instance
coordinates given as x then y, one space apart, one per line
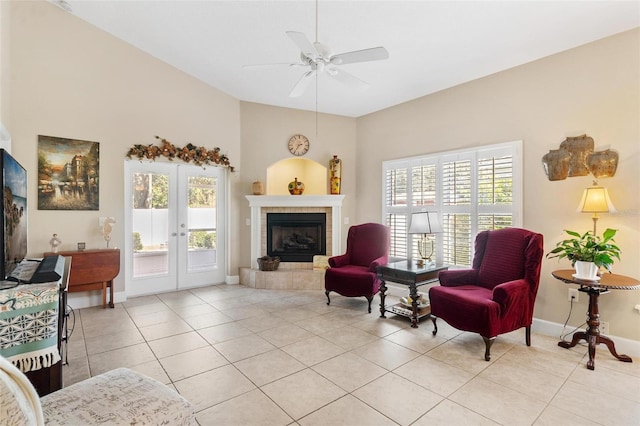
55 242
81 246
106 228
267 263
295 187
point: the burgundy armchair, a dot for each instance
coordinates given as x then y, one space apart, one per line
353 274
497 295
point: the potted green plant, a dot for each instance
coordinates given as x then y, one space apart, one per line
597 252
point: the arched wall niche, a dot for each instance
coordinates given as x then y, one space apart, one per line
309 172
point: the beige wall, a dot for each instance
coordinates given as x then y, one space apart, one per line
72 80
5 48
593 89
265 133
69 79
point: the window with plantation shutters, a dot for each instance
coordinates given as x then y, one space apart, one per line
472 191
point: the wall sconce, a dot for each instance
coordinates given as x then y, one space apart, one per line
595 199
424 223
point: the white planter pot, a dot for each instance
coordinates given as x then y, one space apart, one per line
586 269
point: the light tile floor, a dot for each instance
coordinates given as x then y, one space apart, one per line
245 356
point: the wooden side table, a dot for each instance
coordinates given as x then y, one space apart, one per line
93 270
413 276
594 288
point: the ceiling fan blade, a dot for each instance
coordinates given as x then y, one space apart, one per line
273 65
372 54
348 79
303 43
302 84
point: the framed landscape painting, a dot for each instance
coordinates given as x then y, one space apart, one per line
68 174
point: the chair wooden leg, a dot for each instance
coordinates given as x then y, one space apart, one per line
487 343
527 335
435 326
328 300
369 298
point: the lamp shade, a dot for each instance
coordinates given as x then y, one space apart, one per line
424 223
596 200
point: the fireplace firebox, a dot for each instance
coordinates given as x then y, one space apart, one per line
296 237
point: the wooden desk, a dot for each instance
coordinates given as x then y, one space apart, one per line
93 270
413 276
594 289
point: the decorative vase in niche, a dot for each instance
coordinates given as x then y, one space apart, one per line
295 187
335 175
556 164
257 188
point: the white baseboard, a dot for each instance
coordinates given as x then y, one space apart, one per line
623 345
232 279
89 299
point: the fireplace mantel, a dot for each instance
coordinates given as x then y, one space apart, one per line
257 202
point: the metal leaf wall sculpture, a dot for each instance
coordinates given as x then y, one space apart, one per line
576 157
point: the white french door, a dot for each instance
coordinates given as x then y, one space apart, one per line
175 226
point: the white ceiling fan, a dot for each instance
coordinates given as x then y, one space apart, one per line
318 58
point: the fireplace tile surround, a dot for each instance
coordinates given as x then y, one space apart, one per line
291 275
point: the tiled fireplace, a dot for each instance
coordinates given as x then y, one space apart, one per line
296 237
262 204
291 274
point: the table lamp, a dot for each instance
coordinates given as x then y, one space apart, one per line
424 223
595 199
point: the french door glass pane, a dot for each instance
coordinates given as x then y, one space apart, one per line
202 223
150 224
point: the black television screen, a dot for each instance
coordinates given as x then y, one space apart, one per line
14 212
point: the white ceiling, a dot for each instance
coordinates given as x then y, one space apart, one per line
432 45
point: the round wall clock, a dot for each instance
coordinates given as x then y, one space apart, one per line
298 145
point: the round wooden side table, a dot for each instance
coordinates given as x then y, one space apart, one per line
594 289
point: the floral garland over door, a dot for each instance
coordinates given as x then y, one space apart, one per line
200 156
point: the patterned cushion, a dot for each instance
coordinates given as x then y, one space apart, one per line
19 404
117 397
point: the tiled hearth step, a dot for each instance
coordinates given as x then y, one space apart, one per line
283 279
